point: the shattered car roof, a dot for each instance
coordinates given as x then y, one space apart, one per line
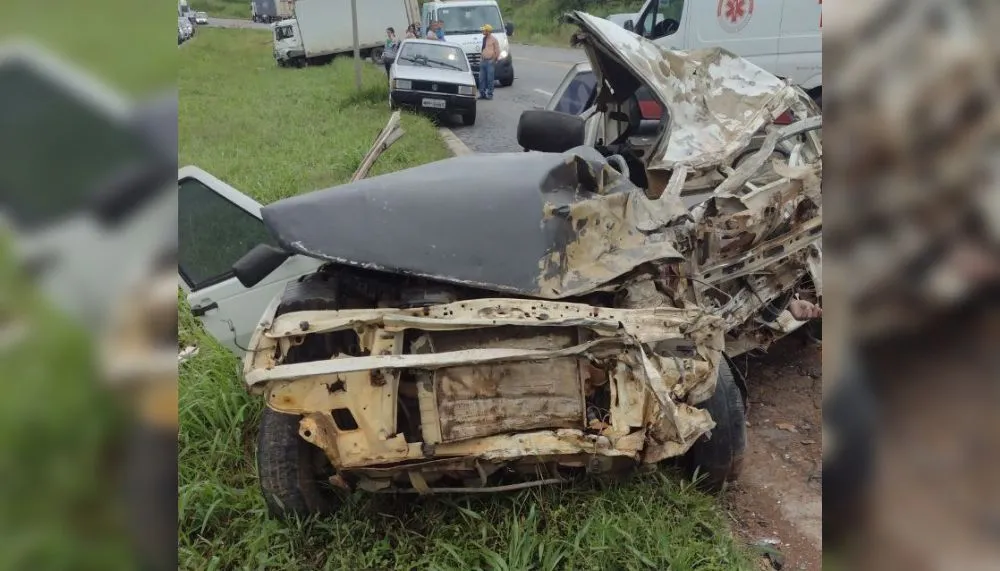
716 100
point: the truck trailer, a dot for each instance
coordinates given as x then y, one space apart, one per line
323 29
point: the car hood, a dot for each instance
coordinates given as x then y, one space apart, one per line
422 73
716 100
536 224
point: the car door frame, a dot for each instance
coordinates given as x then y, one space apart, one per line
207 295
594 125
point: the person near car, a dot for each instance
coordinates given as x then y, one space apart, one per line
391 47
439 30
490 53
411 32
432 30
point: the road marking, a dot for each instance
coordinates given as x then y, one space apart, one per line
543 92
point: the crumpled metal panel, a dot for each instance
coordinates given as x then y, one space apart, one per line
543 225
717 100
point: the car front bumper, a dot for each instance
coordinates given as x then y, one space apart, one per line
453 103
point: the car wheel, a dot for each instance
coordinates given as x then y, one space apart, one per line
469 117
290 469
294 474
507 81
718 458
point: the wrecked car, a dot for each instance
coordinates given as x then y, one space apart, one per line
493 322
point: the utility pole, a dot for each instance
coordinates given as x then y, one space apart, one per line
357 47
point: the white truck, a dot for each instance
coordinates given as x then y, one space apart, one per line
463 21
323 29
782 36
268 11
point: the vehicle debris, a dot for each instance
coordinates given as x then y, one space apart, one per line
386 137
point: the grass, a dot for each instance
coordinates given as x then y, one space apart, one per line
273 133
536 20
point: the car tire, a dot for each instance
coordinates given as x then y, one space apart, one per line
718 457
507 81
290 479
293 474
469 118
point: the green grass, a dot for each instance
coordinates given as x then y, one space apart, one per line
536 20
273 133
238 9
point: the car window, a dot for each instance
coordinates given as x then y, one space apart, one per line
435 55
579 94
662 20
213 234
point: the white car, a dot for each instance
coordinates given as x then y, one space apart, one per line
435 77
201 18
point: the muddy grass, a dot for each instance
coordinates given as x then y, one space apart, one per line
778 499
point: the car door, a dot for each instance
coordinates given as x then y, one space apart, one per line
575 96
217 225
576 92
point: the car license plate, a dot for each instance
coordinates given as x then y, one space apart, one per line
433 103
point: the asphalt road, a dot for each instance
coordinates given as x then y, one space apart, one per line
537 73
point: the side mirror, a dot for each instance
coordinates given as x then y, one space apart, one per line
258 263
629 25
509 28
550 131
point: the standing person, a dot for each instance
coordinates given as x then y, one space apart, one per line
411 32
439 30
487 66
391 46
432 30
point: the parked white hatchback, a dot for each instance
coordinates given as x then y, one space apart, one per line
435 77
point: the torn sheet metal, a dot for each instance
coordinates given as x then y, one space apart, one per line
488 379
716 100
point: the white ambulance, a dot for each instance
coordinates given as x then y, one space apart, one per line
781 36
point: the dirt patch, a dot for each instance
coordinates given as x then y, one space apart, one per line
778 499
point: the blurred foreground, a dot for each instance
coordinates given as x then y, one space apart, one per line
912 377
87 216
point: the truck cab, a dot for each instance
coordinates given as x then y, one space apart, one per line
463 20
781 36
288 48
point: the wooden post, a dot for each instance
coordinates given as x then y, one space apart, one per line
357 47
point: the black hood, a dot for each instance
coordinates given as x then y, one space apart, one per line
537 224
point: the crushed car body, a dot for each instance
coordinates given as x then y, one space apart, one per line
520 317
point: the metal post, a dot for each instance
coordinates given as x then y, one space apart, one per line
357 47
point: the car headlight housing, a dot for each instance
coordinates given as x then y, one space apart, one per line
503 54
466 90
403 84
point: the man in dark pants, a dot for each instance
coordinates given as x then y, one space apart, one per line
487 66
391 47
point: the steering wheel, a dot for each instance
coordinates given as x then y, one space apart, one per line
665 27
